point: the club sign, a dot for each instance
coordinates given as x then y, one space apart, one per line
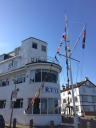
51 90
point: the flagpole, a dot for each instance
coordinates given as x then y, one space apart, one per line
75 114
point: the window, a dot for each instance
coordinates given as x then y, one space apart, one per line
9 66
36 109
32 76
84 98
53 77
59 106
18 103
76 99
56 106
38 75
86 108
43 106
34 45
2 103
63 93
44 48
20 79
84 90
77 108
70 99
17 51
93 90
15 63
4 83
50 106
1 57
35 76
94 99
64 100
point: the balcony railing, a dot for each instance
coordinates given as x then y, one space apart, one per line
23 62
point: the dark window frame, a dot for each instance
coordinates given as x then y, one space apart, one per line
22 77
3 105
43 48
18 102
5 81
34 45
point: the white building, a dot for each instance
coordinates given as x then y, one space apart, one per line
28 65
85 97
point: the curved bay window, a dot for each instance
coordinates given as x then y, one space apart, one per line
35 76
52 77
45 106
38 75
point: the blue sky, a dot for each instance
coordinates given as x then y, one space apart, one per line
45 20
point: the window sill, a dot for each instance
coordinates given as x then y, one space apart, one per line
43 81
43 114
16 108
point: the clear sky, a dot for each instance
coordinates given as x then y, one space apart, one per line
45 20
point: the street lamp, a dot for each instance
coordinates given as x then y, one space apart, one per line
12 102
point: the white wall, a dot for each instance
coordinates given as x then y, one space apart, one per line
27 51
27 90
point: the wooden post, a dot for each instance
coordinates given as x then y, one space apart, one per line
51 124
31 123
14 123
91 121
79 125
88 125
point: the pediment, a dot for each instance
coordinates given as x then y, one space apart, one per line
88 84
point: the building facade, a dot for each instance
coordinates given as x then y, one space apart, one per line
28 66
85 98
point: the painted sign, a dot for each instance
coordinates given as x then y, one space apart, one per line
14 94
51 90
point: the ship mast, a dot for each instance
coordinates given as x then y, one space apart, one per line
69 55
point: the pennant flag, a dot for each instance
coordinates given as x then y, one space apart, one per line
65 48
65 28
68 81
67 67
34 98
66 61
39 92
58 50
83 45
31 101
61 41
26 108
42 85
64 36
50 70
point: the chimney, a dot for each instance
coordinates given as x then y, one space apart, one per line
86 78
63 87
66 86
76 83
